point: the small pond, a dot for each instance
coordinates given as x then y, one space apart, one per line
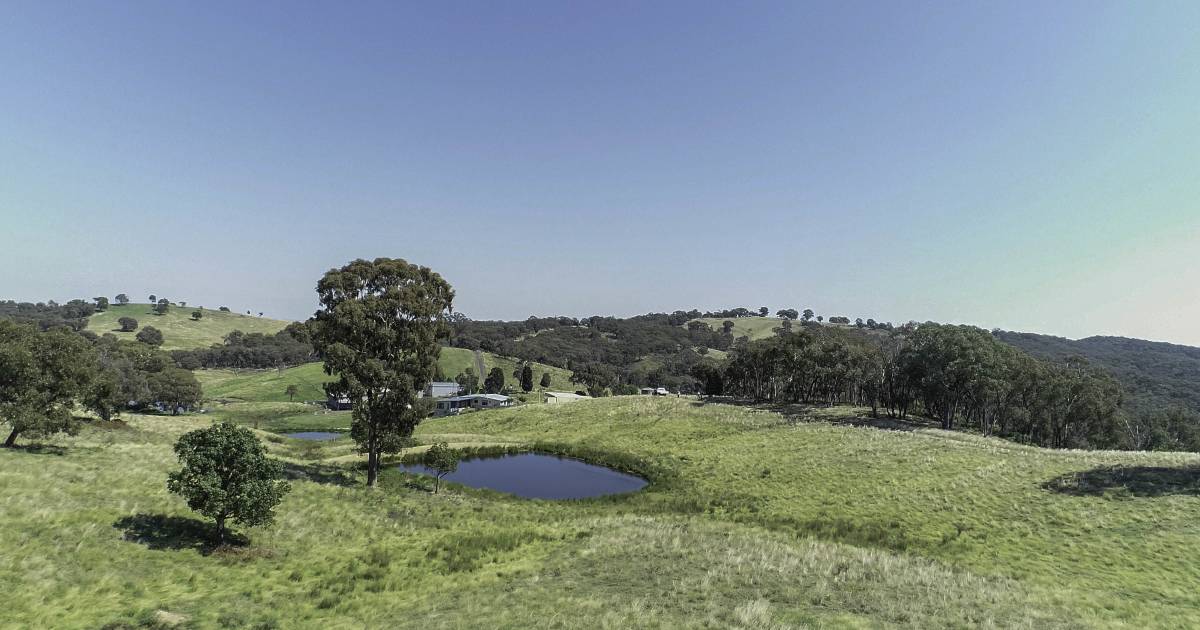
538 476
318 436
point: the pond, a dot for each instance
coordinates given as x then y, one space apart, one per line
538 476
319 436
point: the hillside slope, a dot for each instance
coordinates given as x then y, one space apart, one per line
751 522
271 385
1155 374
179 331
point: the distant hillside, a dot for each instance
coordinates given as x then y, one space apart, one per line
271 385
1154 374
180 331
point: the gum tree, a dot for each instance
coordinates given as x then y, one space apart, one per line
378 330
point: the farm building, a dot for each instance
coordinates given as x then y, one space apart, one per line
436 389
655 391
562 397
456 404
441 389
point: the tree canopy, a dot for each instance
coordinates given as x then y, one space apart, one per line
378 329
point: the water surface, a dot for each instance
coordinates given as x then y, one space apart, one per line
538 476
314 435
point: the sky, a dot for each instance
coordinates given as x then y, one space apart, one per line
1031 166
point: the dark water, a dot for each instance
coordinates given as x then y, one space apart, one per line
314 435
537 476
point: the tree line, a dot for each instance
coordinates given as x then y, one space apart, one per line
960 376
46 374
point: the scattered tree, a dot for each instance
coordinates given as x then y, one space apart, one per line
42 375
727 327
227 476
150 336
527 378
787 313
101 303
122 299
762 311
174 388
291 392
162 307
545 382
197 314
224 309
494 383
468 381
442 460
128 324
182 304
379 329
807 315
153 298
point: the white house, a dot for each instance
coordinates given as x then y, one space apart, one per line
562 397
456 404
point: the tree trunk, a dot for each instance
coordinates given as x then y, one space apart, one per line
220 530
437 484
12 438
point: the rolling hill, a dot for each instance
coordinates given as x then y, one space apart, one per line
180 331
751 520
269 385
1155 374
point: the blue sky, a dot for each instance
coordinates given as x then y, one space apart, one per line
1031 166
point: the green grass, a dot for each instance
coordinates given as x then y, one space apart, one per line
178 328
751 521
264 385
753 327
271 385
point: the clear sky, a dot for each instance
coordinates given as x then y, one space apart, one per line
1027 165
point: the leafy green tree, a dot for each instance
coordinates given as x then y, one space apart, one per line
291 392
527 378
101 303
162 307
182 303
227 476
42 375
150 336
128 324
174 388
545 382
442 460
224 309
727 327
153 298
807 315
197 314
763 311
494 383
597 377
468 381
787 313
122 299
378 329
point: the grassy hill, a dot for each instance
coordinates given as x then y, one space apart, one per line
270 385
178 328
752 327
751 521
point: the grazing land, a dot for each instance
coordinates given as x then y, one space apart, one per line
753 519
180 331
271 385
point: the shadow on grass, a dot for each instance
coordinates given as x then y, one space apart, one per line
39 449
162 532
332 475
1138 481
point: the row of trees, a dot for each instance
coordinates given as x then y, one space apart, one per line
959 375
45 375
290 346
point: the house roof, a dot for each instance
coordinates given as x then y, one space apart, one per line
443 384
564 395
